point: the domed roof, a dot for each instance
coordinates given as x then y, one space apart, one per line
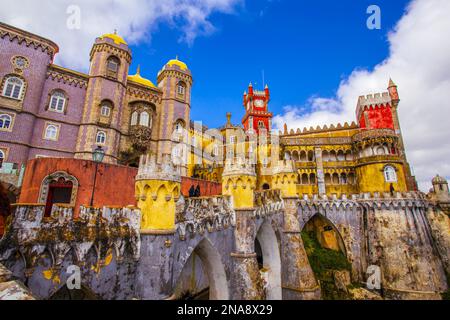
138 79
176 62
115 37
438 180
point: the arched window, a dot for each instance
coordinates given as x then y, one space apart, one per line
380 151
5 121
13 88
390 175
101 137
51 132
134 118
2 156
144 119
261 124
112 67
105 109
179 127
57 101
181 88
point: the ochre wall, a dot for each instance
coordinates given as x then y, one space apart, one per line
114 185
371 178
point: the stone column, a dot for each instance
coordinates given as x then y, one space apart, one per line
298 280
239 181
246 279
320 175
158 188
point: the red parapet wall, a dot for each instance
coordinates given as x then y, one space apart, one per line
114 184
207 188
379 117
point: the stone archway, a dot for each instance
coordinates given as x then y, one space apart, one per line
266 241
212 267
327 256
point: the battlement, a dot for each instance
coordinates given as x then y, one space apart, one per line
374 200
318 129
149 169
238 166
374 99
197 215
268 202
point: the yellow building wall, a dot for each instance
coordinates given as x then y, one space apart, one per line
371 178
157 201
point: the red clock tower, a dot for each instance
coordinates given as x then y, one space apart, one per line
257 116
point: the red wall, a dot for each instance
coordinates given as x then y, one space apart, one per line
207 188
380 117
114 185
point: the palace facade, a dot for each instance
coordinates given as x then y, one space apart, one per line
50 111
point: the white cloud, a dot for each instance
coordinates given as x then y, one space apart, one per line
419 62
135 20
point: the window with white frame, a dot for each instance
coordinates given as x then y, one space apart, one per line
179 127
233 139
181 88
2 155
5 121
105 110
390 174
112 67
216 150
101 137
261 124
134 118
57 101
13 88
51 132
144 119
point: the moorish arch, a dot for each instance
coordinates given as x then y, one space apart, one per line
326 233
268 252
213 268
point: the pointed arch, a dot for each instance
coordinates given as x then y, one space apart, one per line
270 247
214 269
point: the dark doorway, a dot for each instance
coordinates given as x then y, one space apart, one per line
58 192
266 186
259 254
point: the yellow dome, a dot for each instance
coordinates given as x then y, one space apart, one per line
138 79
176 62
115 37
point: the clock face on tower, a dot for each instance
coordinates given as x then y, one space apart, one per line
259 103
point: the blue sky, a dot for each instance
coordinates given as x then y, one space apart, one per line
304 47
318 57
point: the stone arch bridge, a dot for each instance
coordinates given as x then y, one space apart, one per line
250 253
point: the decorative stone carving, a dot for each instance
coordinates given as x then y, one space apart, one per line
201 214
58 176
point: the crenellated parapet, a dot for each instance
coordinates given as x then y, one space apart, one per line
375 200
198 215
105 230
267 202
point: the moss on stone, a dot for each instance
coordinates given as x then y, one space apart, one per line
323 262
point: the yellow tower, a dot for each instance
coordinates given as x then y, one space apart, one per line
239 182
157 192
